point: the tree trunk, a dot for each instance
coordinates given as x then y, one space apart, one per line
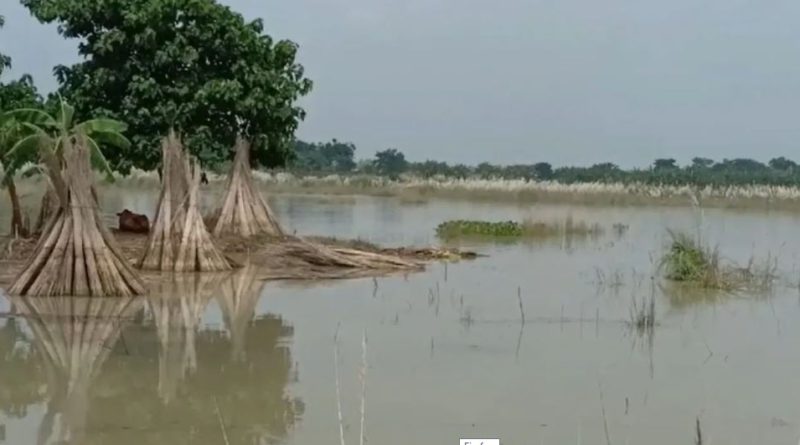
17 228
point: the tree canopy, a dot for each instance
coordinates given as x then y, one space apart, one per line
333 156
391 162
192 65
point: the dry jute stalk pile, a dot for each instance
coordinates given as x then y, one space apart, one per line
179 241
76 254
244 211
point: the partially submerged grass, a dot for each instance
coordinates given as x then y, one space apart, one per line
643 314
569 227
512 229
688 260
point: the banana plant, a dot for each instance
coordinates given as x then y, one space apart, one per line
9 133
47 134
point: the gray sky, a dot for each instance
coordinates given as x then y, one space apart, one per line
564 81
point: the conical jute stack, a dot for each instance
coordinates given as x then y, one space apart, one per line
76 255
179 240
244 211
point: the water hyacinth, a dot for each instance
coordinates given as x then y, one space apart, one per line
458 228
512 229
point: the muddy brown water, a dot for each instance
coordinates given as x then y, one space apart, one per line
447 354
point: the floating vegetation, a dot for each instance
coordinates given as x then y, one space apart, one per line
512 229
459 228
688 260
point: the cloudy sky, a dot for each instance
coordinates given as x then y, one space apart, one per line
564 81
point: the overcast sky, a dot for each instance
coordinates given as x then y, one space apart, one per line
564 81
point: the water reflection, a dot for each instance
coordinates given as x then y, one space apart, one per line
22 373
238 300
150 370
684 296
176 308
73 338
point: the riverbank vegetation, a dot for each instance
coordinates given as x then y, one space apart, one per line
415 190
320 159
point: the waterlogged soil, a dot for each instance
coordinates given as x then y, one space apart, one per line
224 359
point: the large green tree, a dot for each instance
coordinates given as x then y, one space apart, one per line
194 65
391 162
333 156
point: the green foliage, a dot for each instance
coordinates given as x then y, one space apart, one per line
687 260
701 163
543 171
512 229
702 172
461 228
328 157
782 164
46 135
391 162
15 94
194 65
665 164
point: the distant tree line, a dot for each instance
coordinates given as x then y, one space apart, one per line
339 157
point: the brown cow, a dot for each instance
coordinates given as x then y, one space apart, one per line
132 222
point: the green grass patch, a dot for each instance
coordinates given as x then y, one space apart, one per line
512 229
689 260
465 228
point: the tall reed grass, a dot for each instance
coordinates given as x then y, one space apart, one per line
689 260
413 189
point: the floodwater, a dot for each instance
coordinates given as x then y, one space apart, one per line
224 359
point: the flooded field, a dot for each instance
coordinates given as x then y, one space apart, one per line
227 360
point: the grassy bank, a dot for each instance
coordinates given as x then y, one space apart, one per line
412 190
